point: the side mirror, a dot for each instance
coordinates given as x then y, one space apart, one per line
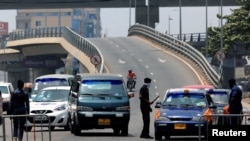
158 105
131 95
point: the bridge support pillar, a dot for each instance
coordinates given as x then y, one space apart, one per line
147 15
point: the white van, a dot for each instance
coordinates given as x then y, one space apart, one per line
6 89
51 80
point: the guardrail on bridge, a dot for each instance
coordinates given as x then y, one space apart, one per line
179 47
72 37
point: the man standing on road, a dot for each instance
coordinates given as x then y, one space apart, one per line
19 105
145 108
235 106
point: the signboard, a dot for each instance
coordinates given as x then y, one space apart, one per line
42 63
4 28
95 59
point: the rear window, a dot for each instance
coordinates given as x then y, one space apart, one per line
184 99
102 87
219 97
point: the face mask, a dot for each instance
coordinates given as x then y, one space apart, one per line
148 85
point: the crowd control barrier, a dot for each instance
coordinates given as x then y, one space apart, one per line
225 122
38 133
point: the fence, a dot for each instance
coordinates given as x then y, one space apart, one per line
225 121
36 134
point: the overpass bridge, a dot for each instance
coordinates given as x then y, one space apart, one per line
23 47
34 52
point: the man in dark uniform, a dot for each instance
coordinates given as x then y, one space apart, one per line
235 106
19 105
145 108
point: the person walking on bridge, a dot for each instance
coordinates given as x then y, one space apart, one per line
19 105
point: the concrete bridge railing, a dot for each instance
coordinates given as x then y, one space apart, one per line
69 35
179 47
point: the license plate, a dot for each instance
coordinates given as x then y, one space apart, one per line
40 118
179 126
103 121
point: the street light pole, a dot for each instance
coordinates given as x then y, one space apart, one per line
147 1
169 20
221 25
129 13
180 20
206 32
135 11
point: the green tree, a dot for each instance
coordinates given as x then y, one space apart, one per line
235 30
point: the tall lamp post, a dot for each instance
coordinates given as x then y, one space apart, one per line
180 20
130 13
206 32
169 20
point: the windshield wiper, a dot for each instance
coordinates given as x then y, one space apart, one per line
169 105
187 105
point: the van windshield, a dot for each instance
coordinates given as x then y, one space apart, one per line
95 87
46 82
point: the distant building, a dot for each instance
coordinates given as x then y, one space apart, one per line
4 30
84 21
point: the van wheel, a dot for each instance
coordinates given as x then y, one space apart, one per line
77 130
124 131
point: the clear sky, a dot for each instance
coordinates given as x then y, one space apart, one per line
115 22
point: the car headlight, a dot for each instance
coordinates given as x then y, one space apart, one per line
60 108
6 99
122 108
199 118
84 108
163 118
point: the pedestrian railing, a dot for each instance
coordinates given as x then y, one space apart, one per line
226 122
38 132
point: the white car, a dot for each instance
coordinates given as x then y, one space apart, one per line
51 102
6 89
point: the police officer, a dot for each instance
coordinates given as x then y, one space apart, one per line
19 105
235 106
145 108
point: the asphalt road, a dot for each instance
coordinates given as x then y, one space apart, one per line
122 54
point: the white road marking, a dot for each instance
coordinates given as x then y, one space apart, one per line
161 60
121 61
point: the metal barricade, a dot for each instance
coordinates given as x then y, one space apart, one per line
36 134
221 120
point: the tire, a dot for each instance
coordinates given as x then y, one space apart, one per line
52 128
77 130
66 127
158 136
124 130
116 131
